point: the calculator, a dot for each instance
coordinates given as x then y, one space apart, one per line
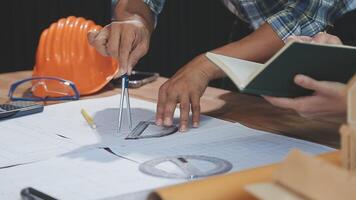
18 109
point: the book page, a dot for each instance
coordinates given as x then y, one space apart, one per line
240 71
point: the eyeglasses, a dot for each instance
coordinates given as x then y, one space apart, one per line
43 89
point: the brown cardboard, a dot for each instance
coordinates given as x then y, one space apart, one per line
315 178
351 102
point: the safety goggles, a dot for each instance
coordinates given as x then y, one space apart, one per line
43 89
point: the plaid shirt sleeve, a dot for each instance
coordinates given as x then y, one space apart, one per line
303 18
156 7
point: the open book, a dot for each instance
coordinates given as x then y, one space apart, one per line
275 77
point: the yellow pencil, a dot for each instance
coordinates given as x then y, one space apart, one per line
88 118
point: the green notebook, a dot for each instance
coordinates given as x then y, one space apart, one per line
275 77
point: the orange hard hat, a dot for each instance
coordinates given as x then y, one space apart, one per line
64 52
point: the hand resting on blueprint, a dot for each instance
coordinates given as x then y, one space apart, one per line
328 99
185 87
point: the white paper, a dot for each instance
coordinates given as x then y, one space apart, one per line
95 173
90 174
243 147
22 141
61 128
66 119
81 172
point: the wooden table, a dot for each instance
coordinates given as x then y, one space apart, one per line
251 111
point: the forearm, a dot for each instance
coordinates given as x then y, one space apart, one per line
133 9
259 46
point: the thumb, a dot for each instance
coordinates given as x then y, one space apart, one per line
135 56
120 72
324 87
133 59
94 33
91 36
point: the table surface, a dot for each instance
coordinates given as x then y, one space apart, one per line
248 110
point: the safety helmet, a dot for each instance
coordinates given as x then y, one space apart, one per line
64 52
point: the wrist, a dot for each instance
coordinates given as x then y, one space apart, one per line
137 19
210 70
125 11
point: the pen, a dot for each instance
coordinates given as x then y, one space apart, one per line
88 118
33 194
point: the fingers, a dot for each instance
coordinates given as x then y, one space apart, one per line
305 38
162 96
120 40
291 38
99 40
91 36
299 39
167 101
325 38
119 46
114 42
286 103
136 55
125 48
324 87
322 37
169 109
195 101
184 107
305 82
166 105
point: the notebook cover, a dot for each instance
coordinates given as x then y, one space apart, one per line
320 62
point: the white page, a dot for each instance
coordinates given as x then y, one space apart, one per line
67 120
94 174
243 147
90 174
240 71
20 143
36 137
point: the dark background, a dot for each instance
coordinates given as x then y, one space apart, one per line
185 29
22 22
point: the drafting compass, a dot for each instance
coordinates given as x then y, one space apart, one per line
190 166
125 97
144 129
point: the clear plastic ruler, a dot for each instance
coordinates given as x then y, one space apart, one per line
148 129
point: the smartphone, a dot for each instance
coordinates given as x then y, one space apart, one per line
138 79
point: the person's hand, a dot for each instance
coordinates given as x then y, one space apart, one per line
185 87
325 38
329 99
321 37
127 40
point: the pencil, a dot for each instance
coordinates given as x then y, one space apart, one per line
88 118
